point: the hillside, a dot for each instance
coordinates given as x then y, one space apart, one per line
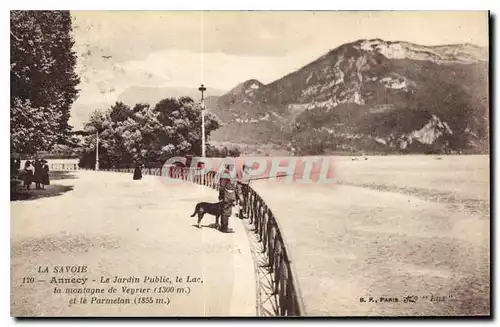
368 96
151 95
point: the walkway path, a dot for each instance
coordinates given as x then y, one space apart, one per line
120 227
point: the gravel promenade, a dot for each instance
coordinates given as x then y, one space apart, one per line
122 230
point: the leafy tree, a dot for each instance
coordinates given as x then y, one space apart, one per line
182 121
61 151
144 134
89 133
98 121
120 112
43 79
222 152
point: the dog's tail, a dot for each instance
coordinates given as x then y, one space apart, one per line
195 210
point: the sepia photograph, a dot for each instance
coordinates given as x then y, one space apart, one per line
250 163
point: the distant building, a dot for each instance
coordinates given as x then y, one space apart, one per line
58 164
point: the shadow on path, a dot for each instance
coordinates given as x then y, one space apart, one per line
213 226
18 193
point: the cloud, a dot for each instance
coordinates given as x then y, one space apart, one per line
133 35
180 69
121 50
216 69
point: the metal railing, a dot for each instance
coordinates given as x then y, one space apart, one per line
63 166
267 230
144 171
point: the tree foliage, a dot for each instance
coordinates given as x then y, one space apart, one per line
43 79
145 134
222 152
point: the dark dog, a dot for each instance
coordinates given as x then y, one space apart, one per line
214 209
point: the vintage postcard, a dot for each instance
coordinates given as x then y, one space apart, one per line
250 163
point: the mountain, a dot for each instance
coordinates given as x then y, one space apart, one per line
151 95
368 96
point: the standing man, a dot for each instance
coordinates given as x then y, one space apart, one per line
243 186
38 178
28 174
227 196
46 178
18 165
137 172
12 167
224 178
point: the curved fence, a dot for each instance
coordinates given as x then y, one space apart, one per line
267 230
144 171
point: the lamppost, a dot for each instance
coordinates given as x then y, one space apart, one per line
97 152
202 89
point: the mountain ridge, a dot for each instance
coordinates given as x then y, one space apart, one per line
357 87
152 94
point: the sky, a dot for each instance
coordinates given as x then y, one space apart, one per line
123 51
